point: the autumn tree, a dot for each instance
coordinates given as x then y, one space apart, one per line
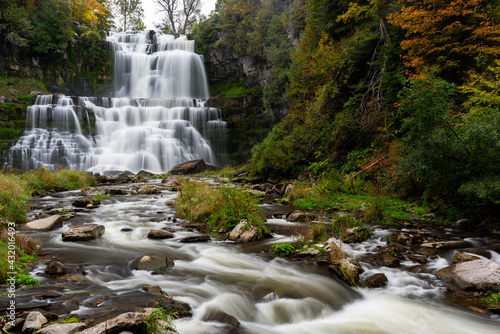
451 35
128 13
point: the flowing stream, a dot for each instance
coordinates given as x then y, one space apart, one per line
156 119
266 294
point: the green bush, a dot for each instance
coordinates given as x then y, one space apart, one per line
220 208
283 248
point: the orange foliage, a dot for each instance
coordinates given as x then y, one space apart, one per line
87 11
446 34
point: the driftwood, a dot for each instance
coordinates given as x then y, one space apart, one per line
365 169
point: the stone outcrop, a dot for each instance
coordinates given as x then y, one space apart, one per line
245 232
356 234
83 232
189 167
160 234
55 267
154 262
453 244
124 322
477 275
71 328
46 224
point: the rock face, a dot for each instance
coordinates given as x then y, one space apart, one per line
124 322
83 232
34 320
189 167
63 328
356 234
244 232
154 262
46 224
477 275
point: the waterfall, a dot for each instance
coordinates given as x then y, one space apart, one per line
155 120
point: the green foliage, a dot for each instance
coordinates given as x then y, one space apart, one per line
283 248
52 27
160 321
14 196
492 298
22 277
204 33
15 26
101 197
344 222
42 181
221 208
70 319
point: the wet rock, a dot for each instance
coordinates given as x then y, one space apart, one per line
70 328
124 322
125 177
189 167
244 232
115 191
222 317
346 270
159 234
408 238
55 267
241 172
459 257
299 216
15 325
375 281
46 224
148 189
307 253
182 309
154 262
417 258
477 275
83 232
127 229
35 320
380 260
464 224
154 290
144 174
58 189
196 238
453 244
356 234
86 203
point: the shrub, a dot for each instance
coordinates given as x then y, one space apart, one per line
343 222
220 208
283 248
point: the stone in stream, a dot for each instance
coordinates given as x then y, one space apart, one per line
245 232
453 244
356 234
299 216
159 234
144 174
154 262
477 275
46 224
347 270
222 317
459 257
86 203
71 328
148 189
130 321
55 267
35 320
196 238
83 232
155 290
375 281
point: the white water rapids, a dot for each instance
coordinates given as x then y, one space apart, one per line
156 119
266 295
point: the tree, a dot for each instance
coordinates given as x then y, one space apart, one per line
179 20
128 12
52 27
15 26
451 35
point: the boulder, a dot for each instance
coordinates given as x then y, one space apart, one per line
148 189
55 267
46 224
144 174
299 216
375 281
222 317
346 270
196 238
154 290
459 257
125 177
180 308
453 244
356 234
189 167
245 232
124 322
408 238
159 234
35 320
114 191
477 275
154 262
83 232
86 203
70 328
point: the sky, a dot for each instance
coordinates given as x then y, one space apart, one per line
151 18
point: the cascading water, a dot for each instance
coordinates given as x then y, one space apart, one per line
156 120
